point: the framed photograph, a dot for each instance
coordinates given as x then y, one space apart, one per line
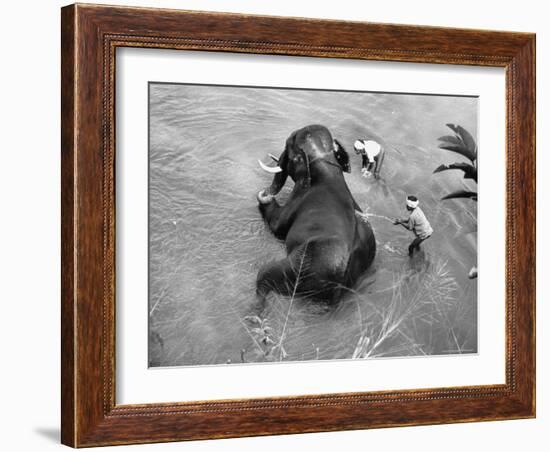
281 225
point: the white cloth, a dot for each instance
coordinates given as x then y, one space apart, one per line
372 149
412 204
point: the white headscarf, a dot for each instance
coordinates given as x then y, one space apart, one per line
412 204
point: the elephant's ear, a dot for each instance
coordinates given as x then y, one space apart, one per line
342 156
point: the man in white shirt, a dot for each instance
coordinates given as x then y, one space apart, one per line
372 154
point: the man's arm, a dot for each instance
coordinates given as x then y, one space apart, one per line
405 223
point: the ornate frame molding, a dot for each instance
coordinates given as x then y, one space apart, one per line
90 37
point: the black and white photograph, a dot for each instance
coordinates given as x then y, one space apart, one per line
255 225
298 224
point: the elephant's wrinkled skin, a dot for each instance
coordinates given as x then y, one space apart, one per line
328 246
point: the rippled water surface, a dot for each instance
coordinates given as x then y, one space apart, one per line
207 240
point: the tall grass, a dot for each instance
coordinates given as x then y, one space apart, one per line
268 346
419 318
422 313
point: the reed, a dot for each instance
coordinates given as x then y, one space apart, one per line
423 316
422 313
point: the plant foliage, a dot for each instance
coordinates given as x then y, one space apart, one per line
464 144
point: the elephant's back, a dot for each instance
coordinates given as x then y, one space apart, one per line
322 258
325 230
328 210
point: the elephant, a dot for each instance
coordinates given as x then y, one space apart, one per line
329 246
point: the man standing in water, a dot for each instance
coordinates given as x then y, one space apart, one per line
417 222
372 154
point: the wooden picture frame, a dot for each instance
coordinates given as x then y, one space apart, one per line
90 35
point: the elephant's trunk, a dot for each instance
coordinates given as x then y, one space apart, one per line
277 183
279 178
267 195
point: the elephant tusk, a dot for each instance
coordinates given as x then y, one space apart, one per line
275 159
269 169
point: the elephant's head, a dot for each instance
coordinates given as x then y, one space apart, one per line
304 148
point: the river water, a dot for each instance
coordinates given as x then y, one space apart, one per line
207 240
